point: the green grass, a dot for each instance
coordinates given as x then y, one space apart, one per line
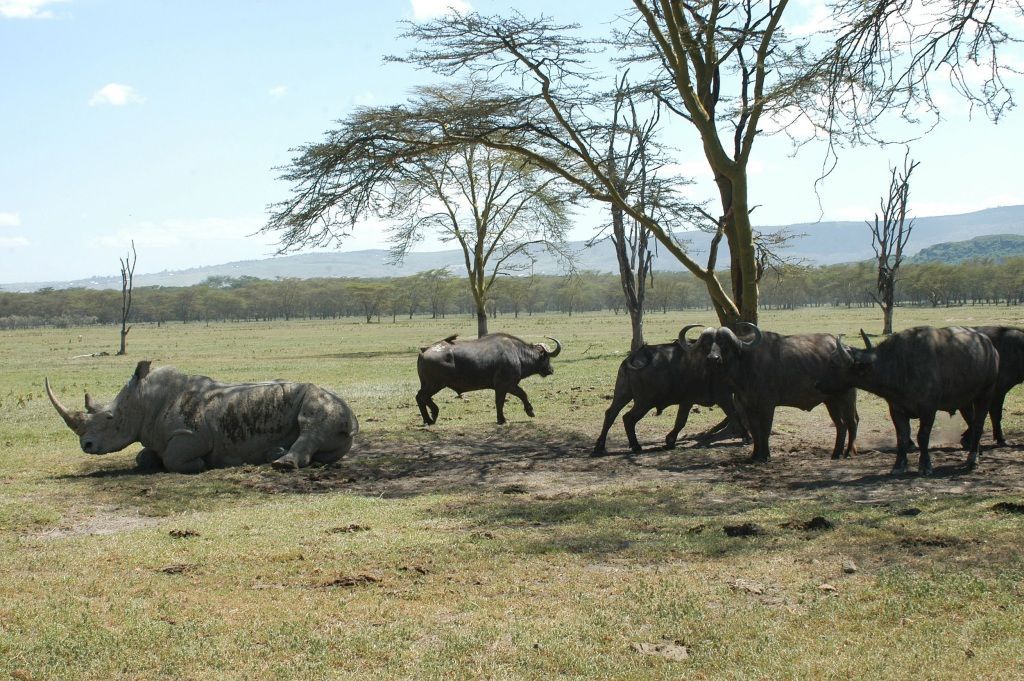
486 551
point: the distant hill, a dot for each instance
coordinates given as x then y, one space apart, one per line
994 246
816 243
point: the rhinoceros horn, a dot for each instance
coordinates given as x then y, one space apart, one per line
74 419
558 346
90 405
867 340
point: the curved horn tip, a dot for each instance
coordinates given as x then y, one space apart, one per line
558 346
866 339
758 336
685 329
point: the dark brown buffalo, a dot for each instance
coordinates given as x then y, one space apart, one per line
496 362
920 371
783 371
659 376
1009 343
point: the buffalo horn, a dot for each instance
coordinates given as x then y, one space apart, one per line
867 341
682 334
758 337
558 346
74 419
844 354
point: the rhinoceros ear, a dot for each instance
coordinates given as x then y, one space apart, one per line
142 370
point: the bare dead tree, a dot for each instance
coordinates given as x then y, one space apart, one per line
889 235
127 282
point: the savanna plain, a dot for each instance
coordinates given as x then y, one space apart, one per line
472 550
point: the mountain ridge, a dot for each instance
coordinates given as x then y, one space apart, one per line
818 243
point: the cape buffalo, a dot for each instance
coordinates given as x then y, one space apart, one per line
496 362
920 371
782 371
191 423
1009 343
657 376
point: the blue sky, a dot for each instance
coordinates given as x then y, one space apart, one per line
162 122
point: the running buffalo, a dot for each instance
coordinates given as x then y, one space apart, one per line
920 371
496 362
190 423
772 371
658 376
1009 343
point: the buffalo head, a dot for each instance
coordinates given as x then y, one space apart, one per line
727 346
545 354
102 429
846 365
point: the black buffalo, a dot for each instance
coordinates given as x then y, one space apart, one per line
920 371
1009 343
658 376
496 362
783 371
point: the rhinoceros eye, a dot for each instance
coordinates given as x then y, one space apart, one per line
110 417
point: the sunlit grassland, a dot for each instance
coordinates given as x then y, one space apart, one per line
472 550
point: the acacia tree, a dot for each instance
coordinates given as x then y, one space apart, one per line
497 206
729 71
889 235
127 283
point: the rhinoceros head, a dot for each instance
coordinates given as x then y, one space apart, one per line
105 428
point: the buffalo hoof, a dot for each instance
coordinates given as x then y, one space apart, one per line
1001 443
670 442
899 469
599 451
636 449
758 458
529 412
836 456
927 470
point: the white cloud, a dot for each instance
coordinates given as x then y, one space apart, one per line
177 233
13 241
116 94
431 9
364 99
278 91
27 9
10 220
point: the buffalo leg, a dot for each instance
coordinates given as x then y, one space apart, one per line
981 408
996 412
840 426
924 432
761 419
521 394
630 419
184 454
618 402
901 423
499 405
681 416
425 399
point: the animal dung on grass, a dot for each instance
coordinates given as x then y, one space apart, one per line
188 423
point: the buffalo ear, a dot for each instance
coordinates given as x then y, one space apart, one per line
142 370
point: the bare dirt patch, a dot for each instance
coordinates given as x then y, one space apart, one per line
105 520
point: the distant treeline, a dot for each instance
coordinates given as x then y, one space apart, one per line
437 294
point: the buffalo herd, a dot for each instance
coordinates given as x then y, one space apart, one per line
191 423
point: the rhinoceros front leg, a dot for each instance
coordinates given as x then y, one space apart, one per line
149 460
184 453
299 454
